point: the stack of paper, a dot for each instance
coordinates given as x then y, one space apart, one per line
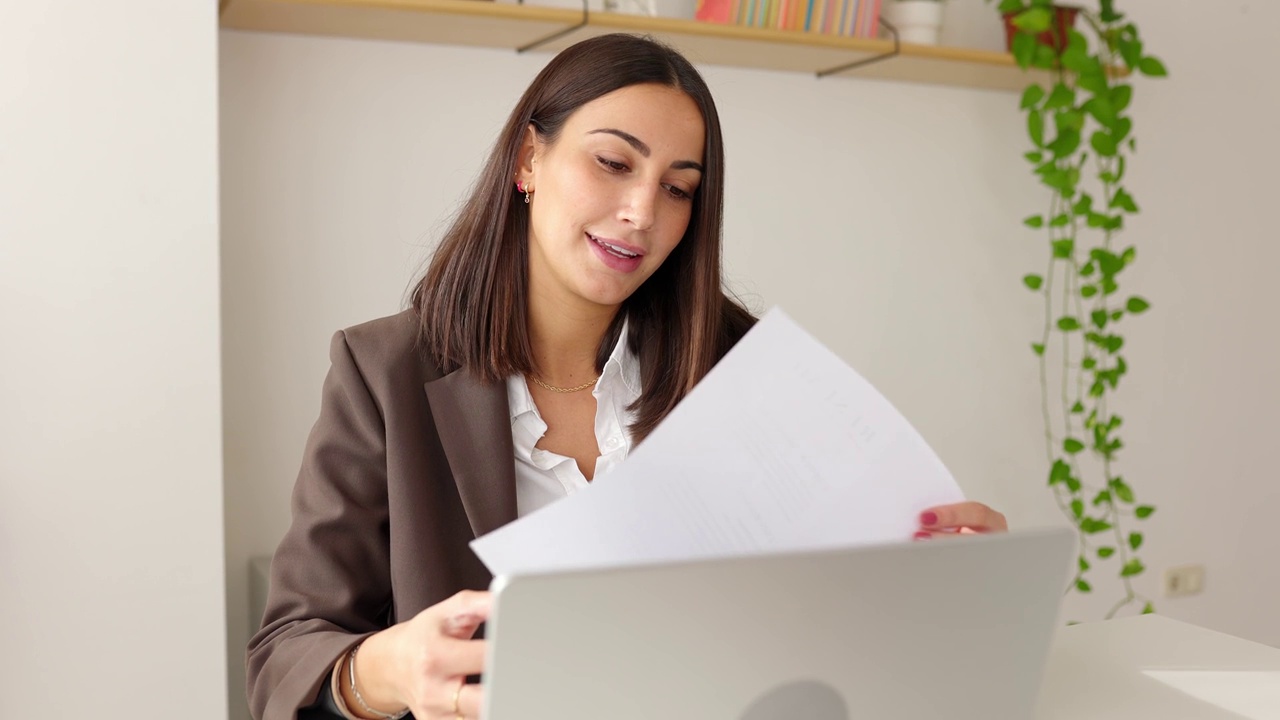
782 447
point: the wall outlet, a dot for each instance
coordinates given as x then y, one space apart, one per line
1183 580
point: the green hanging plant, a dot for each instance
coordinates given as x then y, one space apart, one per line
1081 137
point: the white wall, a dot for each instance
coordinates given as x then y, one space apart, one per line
111 530
884 217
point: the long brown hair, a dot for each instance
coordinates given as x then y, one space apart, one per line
473 300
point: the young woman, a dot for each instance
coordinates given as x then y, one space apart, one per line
574 302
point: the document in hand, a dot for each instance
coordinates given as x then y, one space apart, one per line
781 447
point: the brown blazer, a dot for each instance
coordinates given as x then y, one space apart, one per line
404 467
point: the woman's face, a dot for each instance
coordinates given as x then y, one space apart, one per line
613 195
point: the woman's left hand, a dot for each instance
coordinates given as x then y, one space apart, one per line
960 518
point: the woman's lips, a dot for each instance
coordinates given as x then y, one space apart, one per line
616 255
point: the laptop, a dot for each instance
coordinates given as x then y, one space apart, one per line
957 629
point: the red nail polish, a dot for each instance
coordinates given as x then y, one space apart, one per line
922 535
928 518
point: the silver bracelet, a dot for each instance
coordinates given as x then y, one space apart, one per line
351 675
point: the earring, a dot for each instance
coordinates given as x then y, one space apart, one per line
528 193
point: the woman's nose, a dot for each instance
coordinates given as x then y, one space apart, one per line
638 205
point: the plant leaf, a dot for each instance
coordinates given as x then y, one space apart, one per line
1024 49
1059 472
1131 51
1144 511
1076 53
1077 509
1035 128
1061 97
1064 248
1038 348
1121 96
1077 408
1135 540
1093 527
1083 586
1045 57
1121 128
1131 568
1072 446
1088 291
1103 144
1123 491
1034 20
1069 120
1152 67
1034 222
1032 96
1033 281
1092 77
1148 609
1136 305
1124 201
1101 109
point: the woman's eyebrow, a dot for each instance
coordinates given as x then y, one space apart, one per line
644 150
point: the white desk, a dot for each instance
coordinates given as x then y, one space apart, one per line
1154 667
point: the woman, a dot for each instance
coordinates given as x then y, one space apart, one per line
586 259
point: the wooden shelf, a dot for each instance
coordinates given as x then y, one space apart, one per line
482 23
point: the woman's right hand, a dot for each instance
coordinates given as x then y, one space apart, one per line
423 663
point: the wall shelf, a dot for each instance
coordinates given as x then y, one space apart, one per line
481 23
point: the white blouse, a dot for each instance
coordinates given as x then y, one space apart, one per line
542 477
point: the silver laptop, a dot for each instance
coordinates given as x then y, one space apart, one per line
957 629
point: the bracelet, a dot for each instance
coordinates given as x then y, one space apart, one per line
351 675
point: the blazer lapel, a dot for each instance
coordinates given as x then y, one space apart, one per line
473 421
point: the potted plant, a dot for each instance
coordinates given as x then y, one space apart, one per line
917 21
1081 137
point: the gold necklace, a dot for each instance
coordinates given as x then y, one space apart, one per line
553 388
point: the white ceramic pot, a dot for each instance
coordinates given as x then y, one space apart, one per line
683 9
918 21
592 5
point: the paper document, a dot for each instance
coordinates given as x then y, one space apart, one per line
781 447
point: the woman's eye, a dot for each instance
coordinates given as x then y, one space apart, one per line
678 193
611 165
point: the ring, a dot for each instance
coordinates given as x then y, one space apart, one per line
458 713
